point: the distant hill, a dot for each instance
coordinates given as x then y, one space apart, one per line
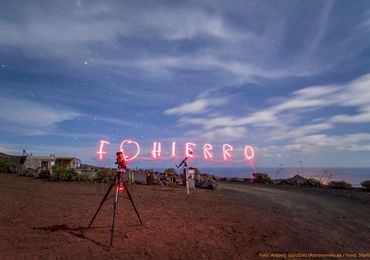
13 159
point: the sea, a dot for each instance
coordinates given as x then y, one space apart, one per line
351 175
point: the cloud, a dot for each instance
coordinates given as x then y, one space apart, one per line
296 132
58 27
319 147
228 133
254 53
115 121
233 69
351 142
188 23
261 118
279 121
195 107
359 118
322 24
31 118
220 48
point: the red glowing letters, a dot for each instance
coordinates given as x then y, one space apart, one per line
100 151
226 149
127 158
207 152
173 154
248 155
189 152
157 149
156 152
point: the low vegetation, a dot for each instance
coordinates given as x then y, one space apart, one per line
5 166
312 183
102 175
260 177
67 174
366 185
168 177
339 185
170 171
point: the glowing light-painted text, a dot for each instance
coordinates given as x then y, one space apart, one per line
226 149
131 151
189 152
121 148
157 149
100 151
207 148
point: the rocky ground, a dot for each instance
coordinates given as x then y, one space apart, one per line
41 219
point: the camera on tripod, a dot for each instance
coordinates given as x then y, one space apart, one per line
120 160
120 185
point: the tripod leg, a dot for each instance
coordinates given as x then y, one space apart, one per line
101 204
132 202
115 205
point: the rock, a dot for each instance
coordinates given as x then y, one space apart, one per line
298 181
206 183
30 172
237 180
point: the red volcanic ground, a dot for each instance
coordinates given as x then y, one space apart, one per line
40 219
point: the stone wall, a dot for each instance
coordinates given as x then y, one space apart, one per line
36 162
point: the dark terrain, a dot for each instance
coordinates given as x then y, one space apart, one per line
41 219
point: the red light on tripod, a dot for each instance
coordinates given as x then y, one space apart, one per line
121 188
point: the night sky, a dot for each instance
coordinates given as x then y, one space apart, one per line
290 78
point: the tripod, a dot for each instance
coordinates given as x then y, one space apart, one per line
186 173
120 185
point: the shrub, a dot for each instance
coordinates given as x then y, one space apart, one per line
260 177
5 166
312 183
366 184
80 177
339 185
237 180
170 171
67 174
44 174
103 175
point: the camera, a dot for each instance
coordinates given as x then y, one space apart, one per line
120 160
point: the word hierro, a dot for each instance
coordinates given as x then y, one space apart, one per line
156 152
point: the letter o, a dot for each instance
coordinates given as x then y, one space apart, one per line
249 155
130 142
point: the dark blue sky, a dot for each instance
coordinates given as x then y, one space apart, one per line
291 78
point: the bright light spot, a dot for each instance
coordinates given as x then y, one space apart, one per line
189 150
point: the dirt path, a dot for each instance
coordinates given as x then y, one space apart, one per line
40 219
332 219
